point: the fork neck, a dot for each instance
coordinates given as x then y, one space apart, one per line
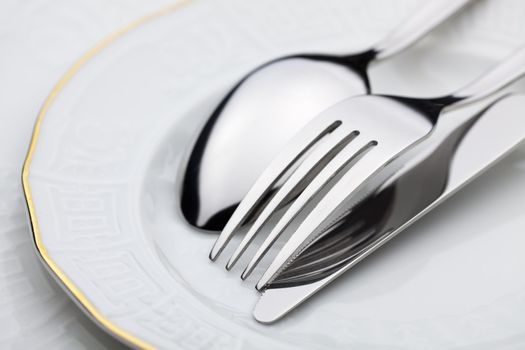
492 82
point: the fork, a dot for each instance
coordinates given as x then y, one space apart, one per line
361 143
445 164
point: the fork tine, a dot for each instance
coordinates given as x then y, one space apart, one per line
363 177
296 183
299 145
351 153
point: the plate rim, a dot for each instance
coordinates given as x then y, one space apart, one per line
65 282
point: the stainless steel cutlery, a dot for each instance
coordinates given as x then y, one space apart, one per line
445 164
277 99
364 143
332 170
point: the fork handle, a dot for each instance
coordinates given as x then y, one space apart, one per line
499 77
429 16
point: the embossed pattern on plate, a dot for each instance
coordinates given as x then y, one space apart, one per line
38 42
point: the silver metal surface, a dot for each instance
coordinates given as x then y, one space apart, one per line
445 165
398 133
361 136
277 99
367 142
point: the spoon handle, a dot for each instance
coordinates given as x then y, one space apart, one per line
499 77
430 15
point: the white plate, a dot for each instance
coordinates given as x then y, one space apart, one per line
101 181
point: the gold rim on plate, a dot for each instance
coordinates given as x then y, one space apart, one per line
79 297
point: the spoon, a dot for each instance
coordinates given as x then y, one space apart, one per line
269 105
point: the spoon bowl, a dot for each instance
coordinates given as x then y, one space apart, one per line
279 98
